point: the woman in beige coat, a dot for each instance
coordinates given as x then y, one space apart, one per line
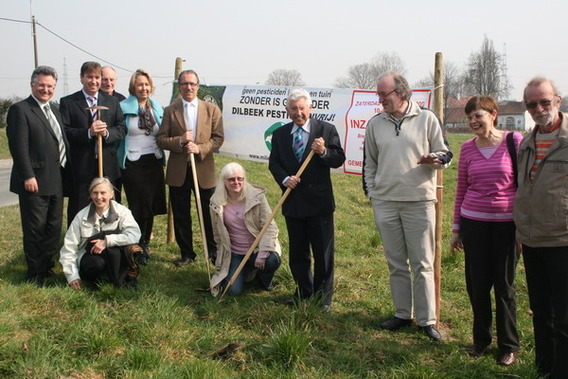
239 211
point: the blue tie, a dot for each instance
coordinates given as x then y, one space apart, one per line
298 144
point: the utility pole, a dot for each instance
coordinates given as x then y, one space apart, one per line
34 35
65 85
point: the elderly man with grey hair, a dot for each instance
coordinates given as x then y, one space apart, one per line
309 208
540 217
108 82
404 145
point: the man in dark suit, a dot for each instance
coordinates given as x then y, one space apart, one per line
109 82
189 126
82 127
40 153
309 207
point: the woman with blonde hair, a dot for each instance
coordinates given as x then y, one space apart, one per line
239 210
139 157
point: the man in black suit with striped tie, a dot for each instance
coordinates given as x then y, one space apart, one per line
83 127
39 150
309 208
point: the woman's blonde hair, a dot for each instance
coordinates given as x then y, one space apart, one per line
220 195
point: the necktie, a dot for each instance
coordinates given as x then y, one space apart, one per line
57 131
93 103
298 144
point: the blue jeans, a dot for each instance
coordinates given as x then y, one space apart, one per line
264 276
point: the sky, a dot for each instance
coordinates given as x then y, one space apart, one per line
242 41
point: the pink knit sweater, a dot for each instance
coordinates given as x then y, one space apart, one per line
486 187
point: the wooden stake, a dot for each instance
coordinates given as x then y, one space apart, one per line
439 110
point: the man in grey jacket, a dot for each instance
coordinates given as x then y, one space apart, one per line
404 145
540 217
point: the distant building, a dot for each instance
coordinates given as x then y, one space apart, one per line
512 116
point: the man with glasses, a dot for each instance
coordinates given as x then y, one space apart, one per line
309 208
190 126
404 145
540 217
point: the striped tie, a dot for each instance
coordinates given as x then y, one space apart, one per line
298 144
57 131
93 103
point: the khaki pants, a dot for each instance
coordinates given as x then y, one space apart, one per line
407 233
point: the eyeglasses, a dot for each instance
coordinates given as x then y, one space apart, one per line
479 115
542 102
234 179
188 84
383 95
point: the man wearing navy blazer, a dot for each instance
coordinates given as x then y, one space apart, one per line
309 208
82 127
40 154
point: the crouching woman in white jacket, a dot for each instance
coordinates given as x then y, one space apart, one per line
100 242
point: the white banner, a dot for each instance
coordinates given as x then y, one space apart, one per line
252 113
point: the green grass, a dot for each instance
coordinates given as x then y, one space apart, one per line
169 329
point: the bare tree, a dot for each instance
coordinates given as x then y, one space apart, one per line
453 81
282 77
362 75
365 75
385 62
487 73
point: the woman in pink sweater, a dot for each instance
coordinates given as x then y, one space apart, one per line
484 228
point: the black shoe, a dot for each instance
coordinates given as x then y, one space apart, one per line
395 323
37 280
291 302
184 262
432 332
142 259
477 351
143 256
50 274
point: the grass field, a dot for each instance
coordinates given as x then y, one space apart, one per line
168 328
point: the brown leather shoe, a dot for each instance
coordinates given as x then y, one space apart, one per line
507 359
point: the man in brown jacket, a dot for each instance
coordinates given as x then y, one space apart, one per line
190 126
